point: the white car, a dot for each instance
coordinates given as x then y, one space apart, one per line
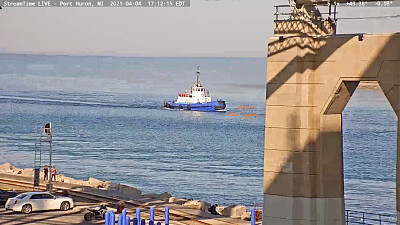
36 201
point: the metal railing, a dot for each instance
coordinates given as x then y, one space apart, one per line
358 217
285 12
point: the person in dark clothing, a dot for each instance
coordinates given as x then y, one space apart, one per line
46 173
213 209
65 193
47 128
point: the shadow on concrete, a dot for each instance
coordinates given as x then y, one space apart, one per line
19 219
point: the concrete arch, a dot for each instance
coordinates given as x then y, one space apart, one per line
309 82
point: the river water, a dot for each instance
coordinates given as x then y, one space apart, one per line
108 123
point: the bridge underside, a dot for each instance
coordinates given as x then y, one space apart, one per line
310 80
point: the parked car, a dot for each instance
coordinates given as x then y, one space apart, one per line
37 201
4 195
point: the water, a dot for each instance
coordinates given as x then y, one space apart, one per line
108 124
369 152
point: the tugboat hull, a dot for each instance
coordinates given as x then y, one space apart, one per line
205 107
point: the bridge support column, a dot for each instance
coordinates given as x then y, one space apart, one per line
309 82
389 81
303 168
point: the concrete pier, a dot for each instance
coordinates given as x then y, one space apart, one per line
310 79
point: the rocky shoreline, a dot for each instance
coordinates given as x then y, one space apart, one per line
131 193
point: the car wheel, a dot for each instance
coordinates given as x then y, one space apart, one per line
27 209
64 206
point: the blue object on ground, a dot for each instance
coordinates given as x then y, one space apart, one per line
120 220
123 217
112 218
152 214
166 215
138 215
253 217
107 218
135 221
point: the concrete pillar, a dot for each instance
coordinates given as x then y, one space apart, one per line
389 81
309 82
303 176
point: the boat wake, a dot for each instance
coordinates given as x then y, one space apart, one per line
49 101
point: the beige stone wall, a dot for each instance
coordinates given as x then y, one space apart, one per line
302 27
309 82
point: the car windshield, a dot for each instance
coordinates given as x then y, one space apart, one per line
21 196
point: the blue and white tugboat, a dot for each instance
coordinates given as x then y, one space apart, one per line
197 99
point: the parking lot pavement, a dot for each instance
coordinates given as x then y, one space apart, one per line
73 216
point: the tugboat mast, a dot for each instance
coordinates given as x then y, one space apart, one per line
198 75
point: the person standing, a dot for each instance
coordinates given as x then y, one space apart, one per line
46 173
53 173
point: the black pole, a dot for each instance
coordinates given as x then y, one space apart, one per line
330 8
335 12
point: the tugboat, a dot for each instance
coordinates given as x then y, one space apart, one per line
197 99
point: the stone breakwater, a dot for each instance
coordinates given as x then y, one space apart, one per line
127 192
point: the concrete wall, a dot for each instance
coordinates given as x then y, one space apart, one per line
309 82
300 27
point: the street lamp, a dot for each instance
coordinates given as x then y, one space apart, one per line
48 131
43 134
